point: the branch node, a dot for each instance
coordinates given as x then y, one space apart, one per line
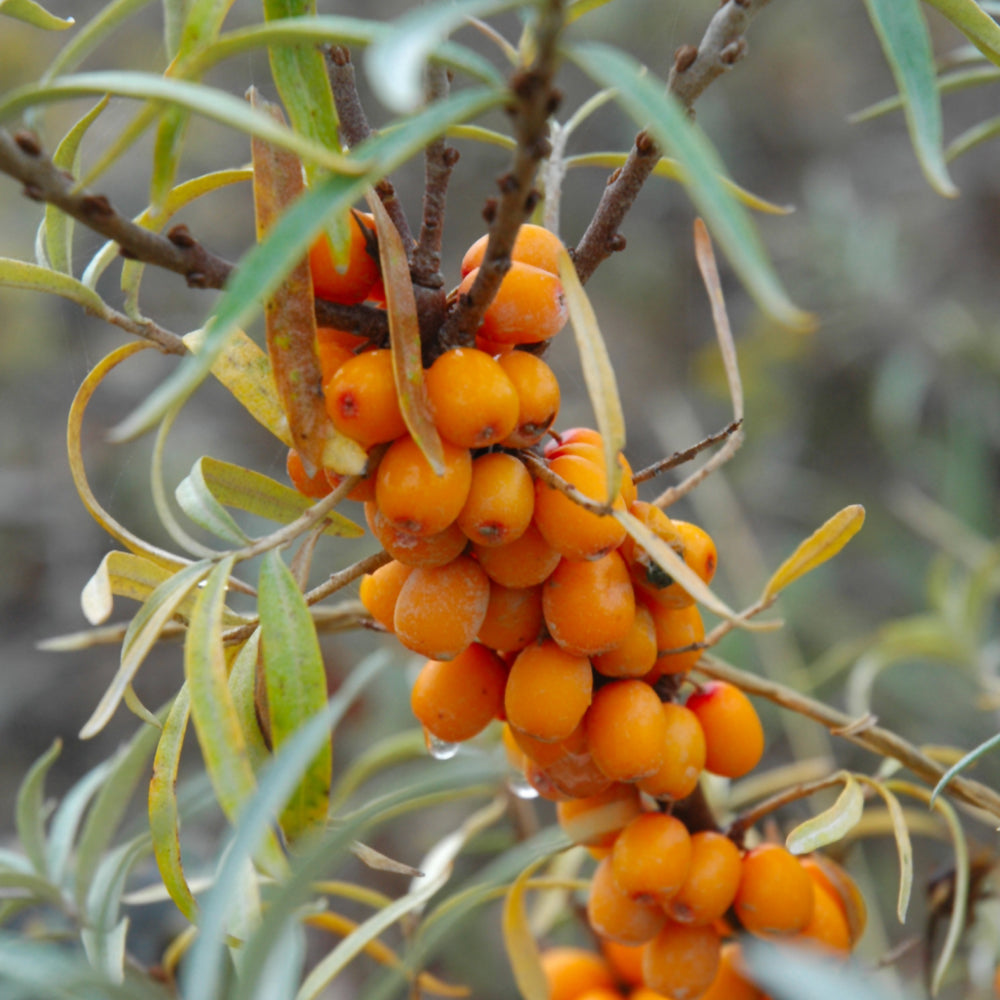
532 200
28 143
181 236
618 243
490 210
197 279
508 184
96 204
450 156
340 55
555 99
684 57
733 52
644 144
34 192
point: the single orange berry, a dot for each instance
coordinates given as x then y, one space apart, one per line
513 618
332 351
626 730
730 981
379 591
586 435
626 960
528 308
827 928
314 486
712 880
676 629
350 281
571 971
683 757
456 699
415 550
682 960
775 895
831 877
596 820
524 562
537 394
534 245
615 915
548 691
541 752
361 399
576 776
699 549
651 857
734 736
501 500
635 655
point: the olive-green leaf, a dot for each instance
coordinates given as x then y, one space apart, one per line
66 819
296 687
598 372
243 684
34 14
905 39
974 22
29 812
832 824
21 274
520 943
647 101
196 500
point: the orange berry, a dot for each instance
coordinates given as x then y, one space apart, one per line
571 971
575 775
734 737
352 280
415 550
412 496
626 730
683 757
650 579
332 352
635 655
537 394
775 895
675 628
513 618
524 562
831 877
601 993
712 880
529 307
441 608
827 927
314 486
541 752
627 491
572 531
548 691
516 757
501 500
626 960
730 983
682 960
534 245
699 549
589 606
456 699
651 857
586 435
473 402
598 819
361 399
379 591
615 915
362 493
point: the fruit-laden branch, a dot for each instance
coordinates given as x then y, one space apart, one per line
721 47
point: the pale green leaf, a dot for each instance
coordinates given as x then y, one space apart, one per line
823 544
243 684
95 31
40 888
34 14
392 749
142 634
578 8
105 949
973 137
30 811
120 574
520 944
650 105
975 23
484 135
598 372
173 25
905 39
66 821
296 687
947 83
195 498
21 274
904 847
832 824
970 758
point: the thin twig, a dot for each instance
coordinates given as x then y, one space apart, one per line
538 468
680 457
752 816
347 575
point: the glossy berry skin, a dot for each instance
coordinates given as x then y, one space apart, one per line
500 502
379 591
675 628
537 394
571 971
415 550
529 307
730 983
734 736
626 730
534 245
361 399
548 691
827 928
712 880
775 895
635 655
682 961
351 281
315 486
615 915
683 758
513 618
523 562
651 857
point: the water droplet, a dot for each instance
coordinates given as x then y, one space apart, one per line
520 786
438 749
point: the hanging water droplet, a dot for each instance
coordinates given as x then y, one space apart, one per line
520 786
438 749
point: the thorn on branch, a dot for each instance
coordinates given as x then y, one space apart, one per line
618 243
197 279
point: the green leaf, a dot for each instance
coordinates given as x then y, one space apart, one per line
142 634
904 847
29 813
296 687
34 14
173 25
947 83
974 23
243 684
973 137
520 943
39 887
21 274
392 749
598 372
196 500
906 42
66 820
106 949
265 266
970 758
832 824
258 494
649 104
92 34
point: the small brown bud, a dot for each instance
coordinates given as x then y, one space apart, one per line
339 55
196 279
615 174
534 196
733 52
450 156
555 99
644 144
181 236
490 210
617 243
508 183
96 204
28 143
684 58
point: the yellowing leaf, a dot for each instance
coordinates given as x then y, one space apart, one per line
824 543
598 372
120 574
522 949
904 848
832 824
34 14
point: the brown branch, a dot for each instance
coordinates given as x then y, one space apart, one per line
348 574
533 100
369 322
680 457
721 47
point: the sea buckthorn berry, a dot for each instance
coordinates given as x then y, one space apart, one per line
577 776
615 915
572 531
650 579
651 857
529 307
589 607
626 960
541 752
626 730
571 971
601 993
332 352
314 486
675 629
596 820
516 757
415 550
349 282
586 435
379 591
537 394
534 245
362 493
730 981
635 655
775 895
548 691
830 876
456 699
628 490
473 402
513 618
712 880
361 399
699 549
501 500
440 608
683 758
524 562
734 737
827 927
682 960
412 496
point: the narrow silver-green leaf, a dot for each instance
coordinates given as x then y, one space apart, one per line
21 274
105 949
973 137
647 101
296 687
832 824
905 39
173 25
196 500
66 820
970 758
975 23
29 812
34 14
947 83
92 34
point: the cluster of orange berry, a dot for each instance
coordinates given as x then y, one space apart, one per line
537 611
